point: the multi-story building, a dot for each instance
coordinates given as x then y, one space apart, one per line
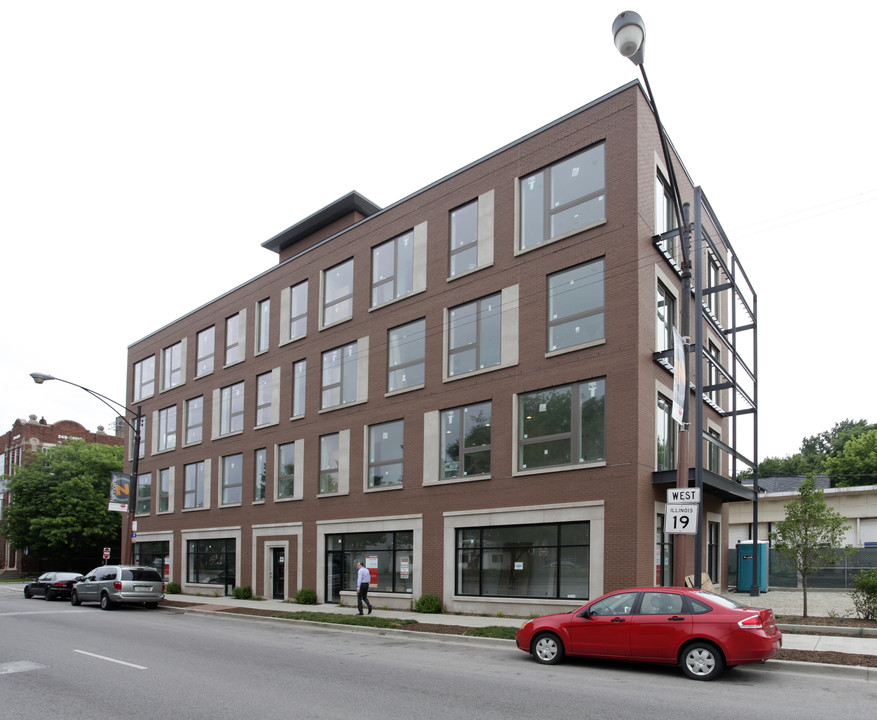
466 389
30 436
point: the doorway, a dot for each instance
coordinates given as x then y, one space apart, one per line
278 573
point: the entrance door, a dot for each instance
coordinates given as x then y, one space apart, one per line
335 576
278 573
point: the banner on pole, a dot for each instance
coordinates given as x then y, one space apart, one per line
680 376
120 492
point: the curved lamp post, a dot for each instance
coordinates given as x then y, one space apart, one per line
629 33
115 406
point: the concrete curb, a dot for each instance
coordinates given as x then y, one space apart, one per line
827 629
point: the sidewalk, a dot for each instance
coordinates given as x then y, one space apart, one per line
783 602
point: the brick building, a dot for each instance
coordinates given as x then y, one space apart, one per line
466 389
29 436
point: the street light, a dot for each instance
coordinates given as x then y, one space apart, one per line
115 406
629 33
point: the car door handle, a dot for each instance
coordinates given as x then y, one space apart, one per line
676 618
617 619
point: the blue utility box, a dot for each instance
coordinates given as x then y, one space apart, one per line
745 558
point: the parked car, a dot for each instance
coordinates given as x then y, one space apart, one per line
112 585
51 585
700 631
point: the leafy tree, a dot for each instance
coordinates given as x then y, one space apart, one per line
58 501
810 537
856 463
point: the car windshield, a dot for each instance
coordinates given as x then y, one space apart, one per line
143 574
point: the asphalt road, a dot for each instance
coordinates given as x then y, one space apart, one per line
57 660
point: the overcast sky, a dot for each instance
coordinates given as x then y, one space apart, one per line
148 149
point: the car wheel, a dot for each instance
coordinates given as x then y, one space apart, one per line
27 593
74 598
548 649
702 661
48 595
105 602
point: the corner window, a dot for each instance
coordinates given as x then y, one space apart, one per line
206 340
407 356
576 306
566 197
466 441
144 378
285 470
338 293
562 426
386 442
232 479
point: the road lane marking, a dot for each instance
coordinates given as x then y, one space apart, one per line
112 660
19 666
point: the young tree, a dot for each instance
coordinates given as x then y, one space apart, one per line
58 507
810 537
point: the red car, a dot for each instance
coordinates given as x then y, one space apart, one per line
700 631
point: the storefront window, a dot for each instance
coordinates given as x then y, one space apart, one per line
388 556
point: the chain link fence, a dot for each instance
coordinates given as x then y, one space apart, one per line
840 577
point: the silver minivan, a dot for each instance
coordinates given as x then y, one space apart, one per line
112 585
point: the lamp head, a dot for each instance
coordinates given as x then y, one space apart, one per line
40 378
629 32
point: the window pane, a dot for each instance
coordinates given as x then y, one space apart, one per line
464 226
532 211
593 420
286 470
546 413
577 177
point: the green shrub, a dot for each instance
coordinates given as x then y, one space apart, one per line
306 596
242 592
173 588
864 594
428 604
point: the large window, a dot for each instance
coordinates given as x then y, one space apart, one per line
206 350
666 315
231 409
193 490
386 443
172 366
389 557
562 426
285 470
261 470
665 435
144 493
299 387
167 428
211 561
338 293
568 196
466 441
393 269
407 356
155 555
339 376
536 561
263 325
144 378
576 306
194 420
232 479
475 335
329 465
233 340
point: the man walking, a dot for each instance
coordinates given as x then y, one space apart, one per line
363 580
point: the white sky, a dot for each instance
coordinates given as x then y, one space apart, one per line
148 149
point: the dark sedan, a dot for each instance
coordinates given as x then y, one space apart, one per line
51 585
701 632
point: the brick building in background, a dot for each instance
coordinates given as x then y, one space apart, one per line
29 436
465 390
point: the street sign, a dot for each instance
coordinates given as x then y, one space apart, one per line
681 519
683 495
